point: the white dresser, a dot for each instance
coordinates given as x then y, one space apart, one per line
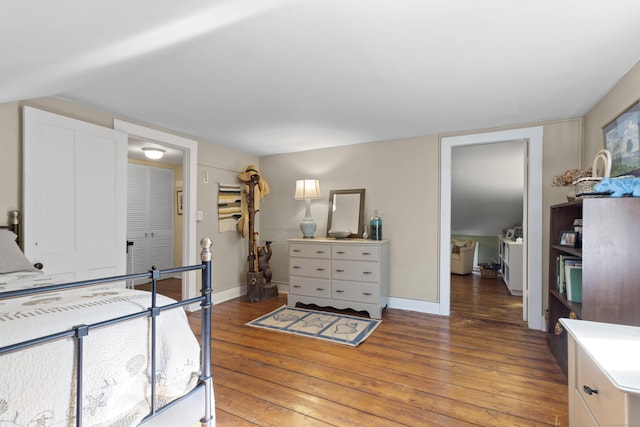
604 373
346 273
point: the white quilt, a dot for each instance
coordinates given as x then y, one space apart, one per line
37 384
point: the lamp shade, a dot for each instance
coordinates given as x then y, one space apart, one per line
153 153
307 189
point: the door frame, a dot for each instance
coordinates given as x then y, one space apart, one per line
189 177
532 221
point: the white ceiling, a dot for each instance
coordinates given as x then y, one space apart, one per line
273 76
487 187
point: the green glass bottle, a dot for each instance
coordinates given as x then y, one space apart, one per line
375 227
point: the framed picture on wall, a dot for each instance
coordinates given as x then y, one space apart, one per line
622 140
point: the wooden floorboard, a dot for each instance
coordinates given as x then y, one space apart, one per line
478 367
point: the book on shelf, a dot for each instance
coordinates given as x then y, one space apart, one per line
573 275
561 262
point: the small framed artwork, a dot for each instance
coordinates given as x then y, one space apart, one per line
179 201
517 232
568 239
622 140
510 234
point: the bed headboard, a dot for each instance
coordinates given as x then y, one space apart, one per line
13 224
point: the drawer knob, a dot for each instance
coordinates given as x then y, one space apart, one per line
340 252
319 252
339 291
297 286
366 253
296 266
319 289
339 270
367 294
320 269
589 390
297 250
366 272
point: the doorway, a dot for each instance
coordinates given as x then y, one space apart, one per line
487 197
532 221
189 149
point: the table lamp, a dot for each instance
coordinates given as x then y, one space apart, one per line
307 189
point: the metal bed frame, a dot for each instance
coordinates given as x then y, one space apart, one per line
13 224
173 413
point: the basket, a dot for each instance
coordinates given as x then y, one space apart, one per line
584 186
489 270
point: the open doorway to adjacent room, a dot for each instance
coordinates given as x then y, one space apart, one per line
531 140
487 198
181 155
154 213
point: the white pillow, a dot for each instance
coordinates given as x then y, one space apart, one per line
11 257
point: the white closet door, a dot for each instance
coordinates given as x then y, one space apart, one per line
138 218
74 192
150 207
161 208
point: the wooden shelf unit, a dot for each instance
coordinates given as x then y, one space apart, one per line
510 253
610 271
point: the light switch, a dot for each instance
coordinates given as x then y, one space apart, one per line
205 177
199 215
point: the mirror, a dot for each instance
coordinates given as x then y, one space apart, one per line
346 212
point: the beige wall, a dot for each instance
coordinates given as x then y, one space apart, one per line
401 181
230 251
401 178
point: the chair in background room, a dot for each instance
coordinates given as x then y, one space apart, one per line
462 253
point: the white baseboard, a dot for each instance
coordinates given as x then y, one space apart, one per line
228 294
241 290
414 305
427 307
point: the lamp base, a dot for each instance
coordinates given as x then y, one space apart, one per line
308 228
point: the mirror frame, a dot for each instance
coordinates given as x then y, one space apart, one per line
361 193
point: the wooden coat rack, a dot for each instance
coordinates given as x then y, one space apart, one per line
259 286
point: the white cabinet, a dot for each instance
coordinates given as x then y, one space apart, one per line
604 376
511 265
150 206
350 273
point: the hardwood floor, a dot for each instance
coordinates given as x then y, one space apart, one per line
477 367
483 298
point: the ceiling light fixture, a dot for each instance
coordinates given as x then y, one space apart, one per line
153 153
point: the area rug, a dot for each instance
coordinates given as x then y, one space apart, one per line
334 327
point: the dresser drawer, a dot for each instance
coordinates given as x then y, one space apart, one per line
583 417
355 270
356 253
310 267
309 251
356 291
310 286
608 404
